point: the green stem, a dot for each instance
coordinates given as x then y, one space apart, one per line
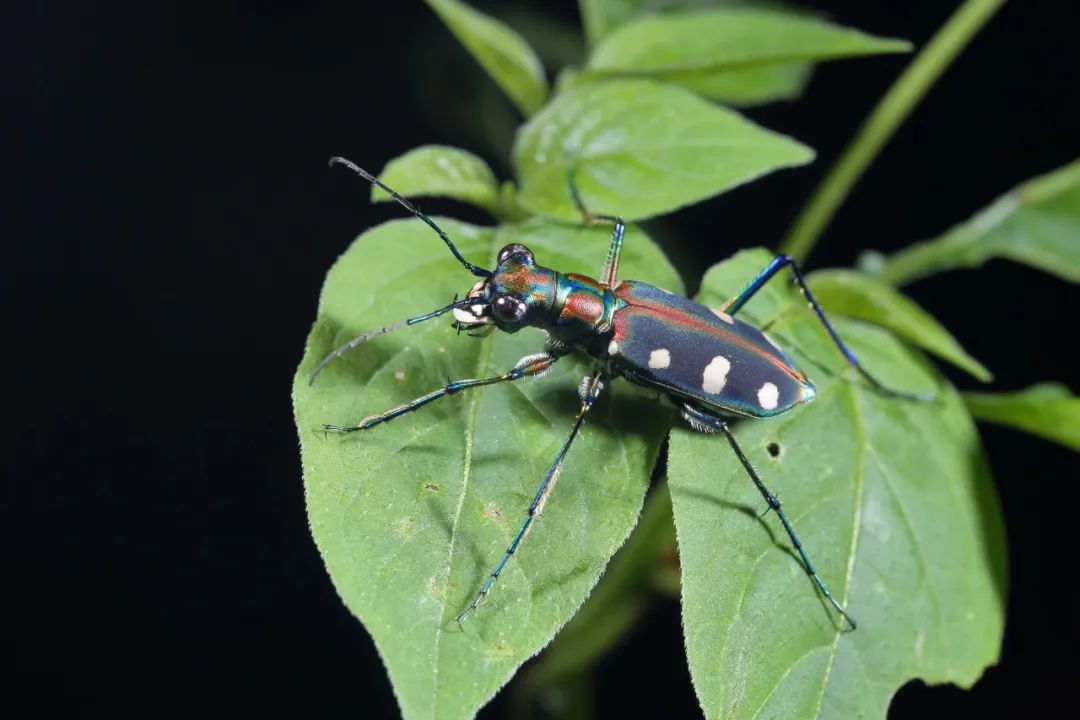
897 104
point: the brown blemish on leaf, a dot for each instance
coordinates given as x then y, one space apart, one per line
500 651
494 514
432 487
436 589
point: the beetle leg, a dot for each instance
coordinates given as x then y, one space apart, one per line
611 266
736 303
592 387
704 422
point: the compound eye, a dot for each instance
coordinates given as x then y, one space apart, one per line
509 308
522 253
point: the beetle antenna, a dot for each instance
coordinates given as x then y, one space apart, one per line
478 271
338 352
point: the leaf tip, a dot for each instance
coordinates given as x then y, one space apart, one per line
896 46
801 154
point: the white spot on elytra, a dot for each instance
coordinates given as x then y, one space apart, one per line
768 395
399 375
613 348
724 316
659 359
714 378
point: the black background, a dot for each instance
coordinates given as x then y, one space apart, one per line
170 218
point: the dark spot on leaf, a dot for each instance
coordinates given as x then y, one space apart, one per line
432 487
773 449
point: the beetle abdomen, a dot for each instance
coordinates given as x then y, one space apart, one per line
664 340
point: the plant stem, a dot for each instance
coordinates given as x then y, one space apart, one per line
876 130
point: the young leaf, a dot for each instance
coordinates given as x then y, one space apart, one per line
639 149
1038 223
441 171
858 295
729 39
754 85
894 503
1047 410
500 51
410 517
600 17
740 56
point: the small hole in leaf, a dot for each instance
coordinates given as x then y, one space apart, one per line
774 449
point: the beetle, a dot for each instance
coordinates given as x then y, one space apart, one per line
710 365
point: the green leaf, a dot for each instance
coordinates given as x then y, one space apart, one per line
640 149
735 40
617 603
441 171
503 53
1038 224
411 516
565 80
1047 410
740 56
755 85
600 17
860 296
894 503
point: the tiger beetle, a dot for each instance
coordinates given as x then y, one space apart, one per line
712 366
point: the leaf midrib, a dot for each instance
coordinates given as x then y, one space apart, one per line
487 344
847 580
856 526
664 72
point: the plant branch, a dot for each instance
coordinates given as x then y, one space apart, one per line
876 130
